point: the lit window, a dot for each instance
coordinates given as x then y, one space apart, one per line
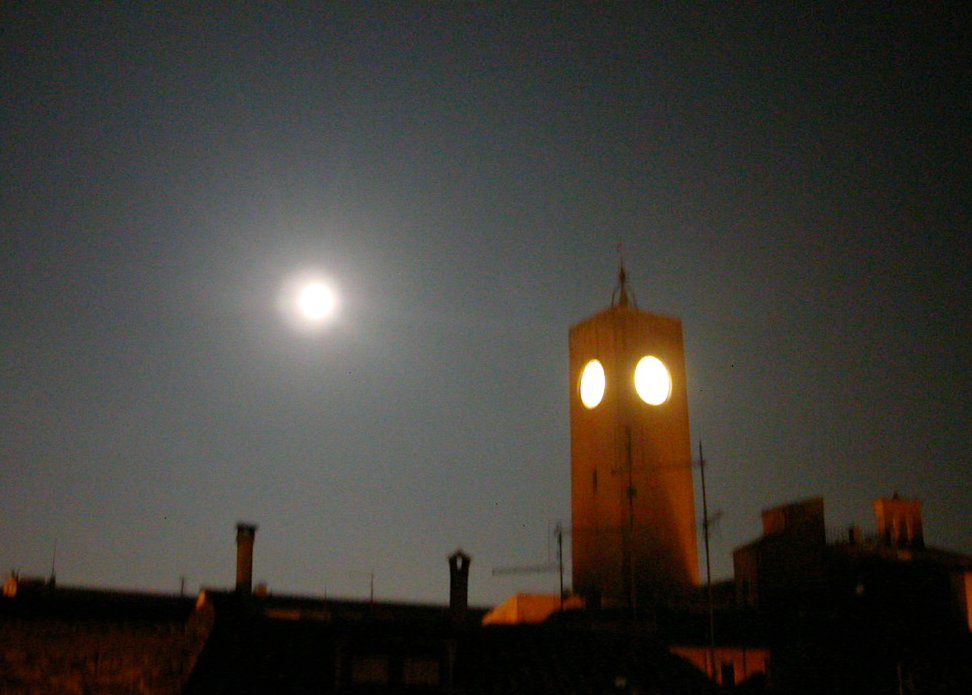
652 381
592 384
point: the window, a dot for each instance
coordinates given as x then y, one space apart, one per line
370 670
420 671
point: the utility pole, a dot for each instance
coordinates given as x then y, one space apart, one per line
628 541
559 530
708 566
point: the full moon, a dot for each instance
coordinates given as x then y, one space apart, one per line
309 301
316 302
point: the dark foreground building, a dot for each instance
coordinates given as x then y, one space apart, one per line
292 645
62 641
65 642
853 612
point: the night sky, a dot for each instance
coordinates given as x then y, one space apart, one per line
793 183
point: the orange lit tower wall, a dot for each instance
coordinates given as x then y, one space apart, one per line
633 504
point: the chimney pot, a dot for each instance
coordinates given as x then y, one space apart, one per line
459 583
245 535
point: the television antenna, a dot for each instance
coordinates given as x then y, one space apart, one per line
557 566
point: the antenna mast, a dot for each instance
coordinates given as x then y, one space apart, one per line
53 577
557 566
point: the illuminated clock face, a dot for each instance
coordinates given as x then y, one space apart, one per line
652 381
592 384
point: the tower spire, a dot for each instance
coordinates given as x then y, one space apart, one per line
620 296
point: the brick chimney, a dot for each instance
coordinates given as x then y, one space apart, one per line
459 583
245 535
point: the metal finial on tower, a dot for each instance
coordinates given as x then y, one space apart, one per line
620 296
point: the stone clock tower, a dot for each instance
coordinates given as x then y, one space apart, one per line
632 497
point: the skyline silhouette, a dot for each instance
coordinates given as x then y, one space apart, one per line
793 185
